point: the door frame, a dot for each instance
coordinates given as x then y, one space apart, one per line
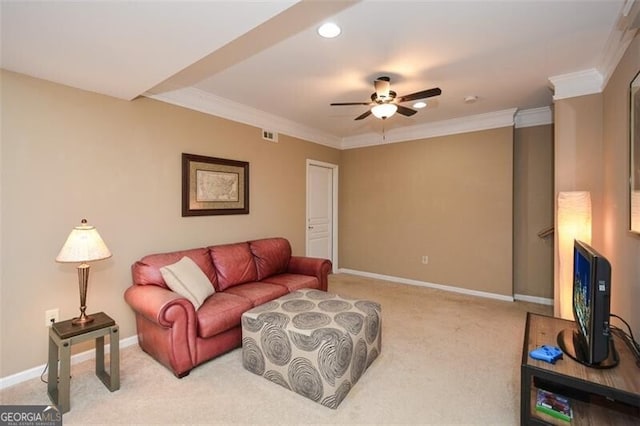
334 210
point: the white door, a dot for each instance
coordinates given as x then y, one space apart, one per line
321 210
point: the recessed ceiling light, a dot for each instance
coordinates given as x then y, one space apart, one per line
420 104
470 99
329 30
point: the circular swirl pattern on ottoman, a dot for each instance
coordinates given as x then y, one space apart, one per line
269 306
305 379
311 320
298 305
304 343
251 324
274 318
293 295
334 358
334 400
367 306
252 358
275 344
334 305
276 377
359 362
319 295
373 354
330 334
351 321
372 327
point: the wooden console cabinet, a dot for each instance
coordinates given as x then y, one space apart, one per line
598 396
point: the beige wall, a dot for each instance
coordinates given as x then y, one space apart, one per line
578 164
622 248
69 154
449 198
533 211
592 153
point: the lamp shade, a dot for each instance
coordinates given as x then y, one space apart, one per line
83 244
384 110
574 223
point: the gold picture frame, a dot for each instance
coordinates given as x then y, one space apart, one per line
634 155
214 186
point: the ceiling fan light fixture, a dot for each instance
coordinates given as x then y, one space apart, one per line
382 86
329 30
384 111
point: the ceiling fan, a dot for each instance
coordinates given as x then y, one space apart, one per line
385 102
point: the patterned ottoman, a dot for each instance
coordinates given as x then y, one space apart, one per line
312 342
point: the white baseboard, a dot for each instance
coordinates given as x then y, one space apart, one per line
34 372
428 284
533 299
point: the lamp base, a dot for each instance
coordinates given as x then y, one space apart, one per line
83 319
83 283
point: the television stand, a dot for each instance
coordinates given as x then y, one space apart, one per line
597 396
568 341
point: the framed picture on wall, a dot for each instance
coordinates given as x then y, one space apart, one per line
214 186
634 155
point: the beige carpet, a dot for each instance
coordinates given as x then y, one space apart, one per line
446 359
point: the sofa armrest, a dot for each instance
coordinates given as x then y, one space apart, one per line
319 268
155 303
166 324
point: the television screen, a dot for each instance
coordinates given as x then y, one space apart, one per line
581 292
589 343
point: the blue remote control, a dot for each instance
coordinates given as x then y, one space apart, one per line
546 353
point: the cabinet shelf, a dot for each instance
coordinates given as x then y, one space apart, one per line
597 397
596 411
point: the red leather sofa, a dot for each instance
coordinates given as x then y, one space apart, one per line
243 275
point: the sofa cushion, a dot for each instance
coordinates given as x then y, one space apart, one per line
221 312
258 292
146 271
294 281
234 264
187 279
271 256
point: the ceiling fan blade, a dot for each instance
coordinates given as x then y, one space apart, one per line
350 103
408 112
420 95
363 115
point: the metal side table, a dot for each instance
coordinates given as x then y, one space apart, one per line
62 336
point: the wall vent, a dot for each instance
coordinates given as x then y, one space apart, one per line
269 135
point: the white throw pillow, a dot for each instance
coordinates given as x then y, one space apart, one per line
187 279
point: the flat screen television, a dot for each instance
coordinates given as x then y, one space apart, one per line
590 341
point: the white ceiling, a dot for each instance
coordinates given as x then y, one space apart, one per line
263 63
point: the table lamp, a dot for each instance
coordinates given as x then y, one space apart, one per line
83 245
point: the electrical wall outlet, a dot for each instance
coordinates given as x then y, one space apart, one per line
425 260
51 316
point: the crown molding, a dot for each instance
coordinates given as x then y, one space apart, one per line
534 117
620 38
594 80
207 103
580 83
616 47
472 123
